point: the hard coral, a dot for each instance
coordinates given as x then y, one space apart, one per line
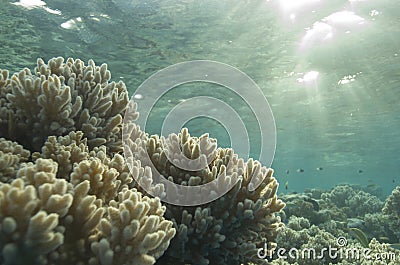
355 203
392 209
230 229
46 220
78 202
11 155
60 97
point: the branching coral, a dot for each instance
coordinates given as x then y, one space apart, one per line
312 238
134 228
379 226
11 155
305 206
66 151
60 97
228 230
341 205
78 202
73 149
47 220
355 203
392 209
339 195
30 208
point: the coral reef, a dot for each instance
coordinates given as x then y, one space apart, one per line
60 97
380 226
307 238
133 231
392 209
298 223
306 206
75 202
230 229
305 231
354 202
68 197
47 220
11 155
376 254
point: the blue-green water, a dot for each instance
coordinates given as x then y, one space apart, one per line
343 116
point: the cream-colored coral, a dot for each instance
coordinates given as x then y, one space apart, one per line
60 97
103 180
298 223
6 114
133 231
66 151
72 149
30 207
228 230
49 220
103 102
11 155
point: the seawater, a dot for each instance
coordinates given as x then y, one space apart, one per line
330 70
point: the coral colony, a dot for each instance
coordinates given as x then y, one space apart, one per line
68 197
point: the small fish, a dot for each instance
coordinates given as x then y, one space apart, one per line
313 202
393 180
287 171
300 170
384 239
360 171
287 185
319 168
395 246
360 236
